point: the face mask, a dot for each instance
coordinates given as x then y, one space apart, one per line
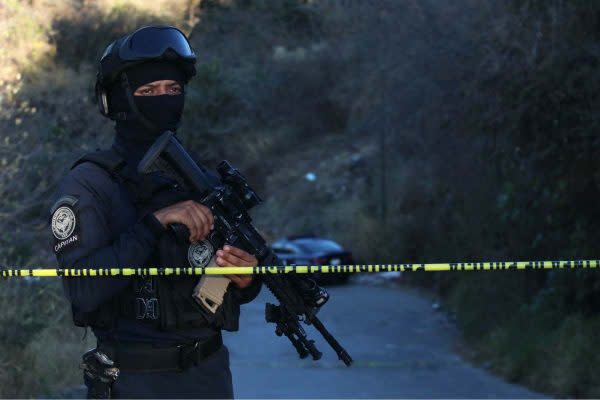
163 111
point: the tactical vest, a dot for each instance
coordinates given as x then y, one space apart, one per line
165 302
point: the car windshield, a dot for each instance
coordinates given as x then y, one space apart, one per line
317 245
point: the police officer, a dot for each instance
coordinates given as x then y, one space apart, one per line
154 339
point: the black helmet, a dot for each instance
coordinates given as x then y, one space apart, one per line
149 43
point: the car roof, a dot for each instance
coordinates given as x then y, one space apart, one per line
303 239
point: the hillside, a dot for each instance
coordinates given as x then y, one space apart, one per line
437 131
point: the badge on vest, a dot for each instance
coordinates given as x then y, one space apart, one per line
200 253
64 223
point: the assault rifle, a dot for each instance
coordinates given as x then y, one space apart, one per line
300 298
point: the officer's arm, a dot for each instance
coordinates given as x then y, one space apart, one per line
249 293
86 194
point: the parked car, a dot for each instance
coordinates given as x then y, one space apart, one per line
314 250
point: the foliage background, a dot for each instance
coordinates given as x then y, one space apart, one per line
486 111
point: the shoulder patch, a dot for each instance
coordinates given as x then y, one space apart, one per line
64 222
64 200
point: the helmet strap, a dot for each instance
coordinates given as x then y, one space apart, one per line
129 93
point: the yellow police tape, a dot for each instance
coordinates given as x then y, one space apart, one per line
299 269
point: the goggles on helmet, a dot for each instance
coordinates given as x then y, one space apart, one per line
146 44
154 41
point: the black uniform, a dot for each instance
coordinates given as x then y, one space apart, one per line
163 343
103 218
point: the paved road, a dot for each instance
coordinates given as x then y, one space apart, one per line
401 348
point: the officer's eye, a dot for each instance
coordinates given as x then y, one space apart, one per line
144 91
175 89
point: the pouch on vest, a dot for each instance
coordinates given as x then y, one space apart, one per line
174 249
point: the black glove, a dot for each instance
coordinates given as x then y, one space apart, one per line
99 373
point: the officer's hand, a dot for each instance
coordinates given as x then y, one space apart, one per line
231 256
197 217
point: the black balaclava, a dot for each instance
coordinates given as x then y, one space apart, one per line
163 111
